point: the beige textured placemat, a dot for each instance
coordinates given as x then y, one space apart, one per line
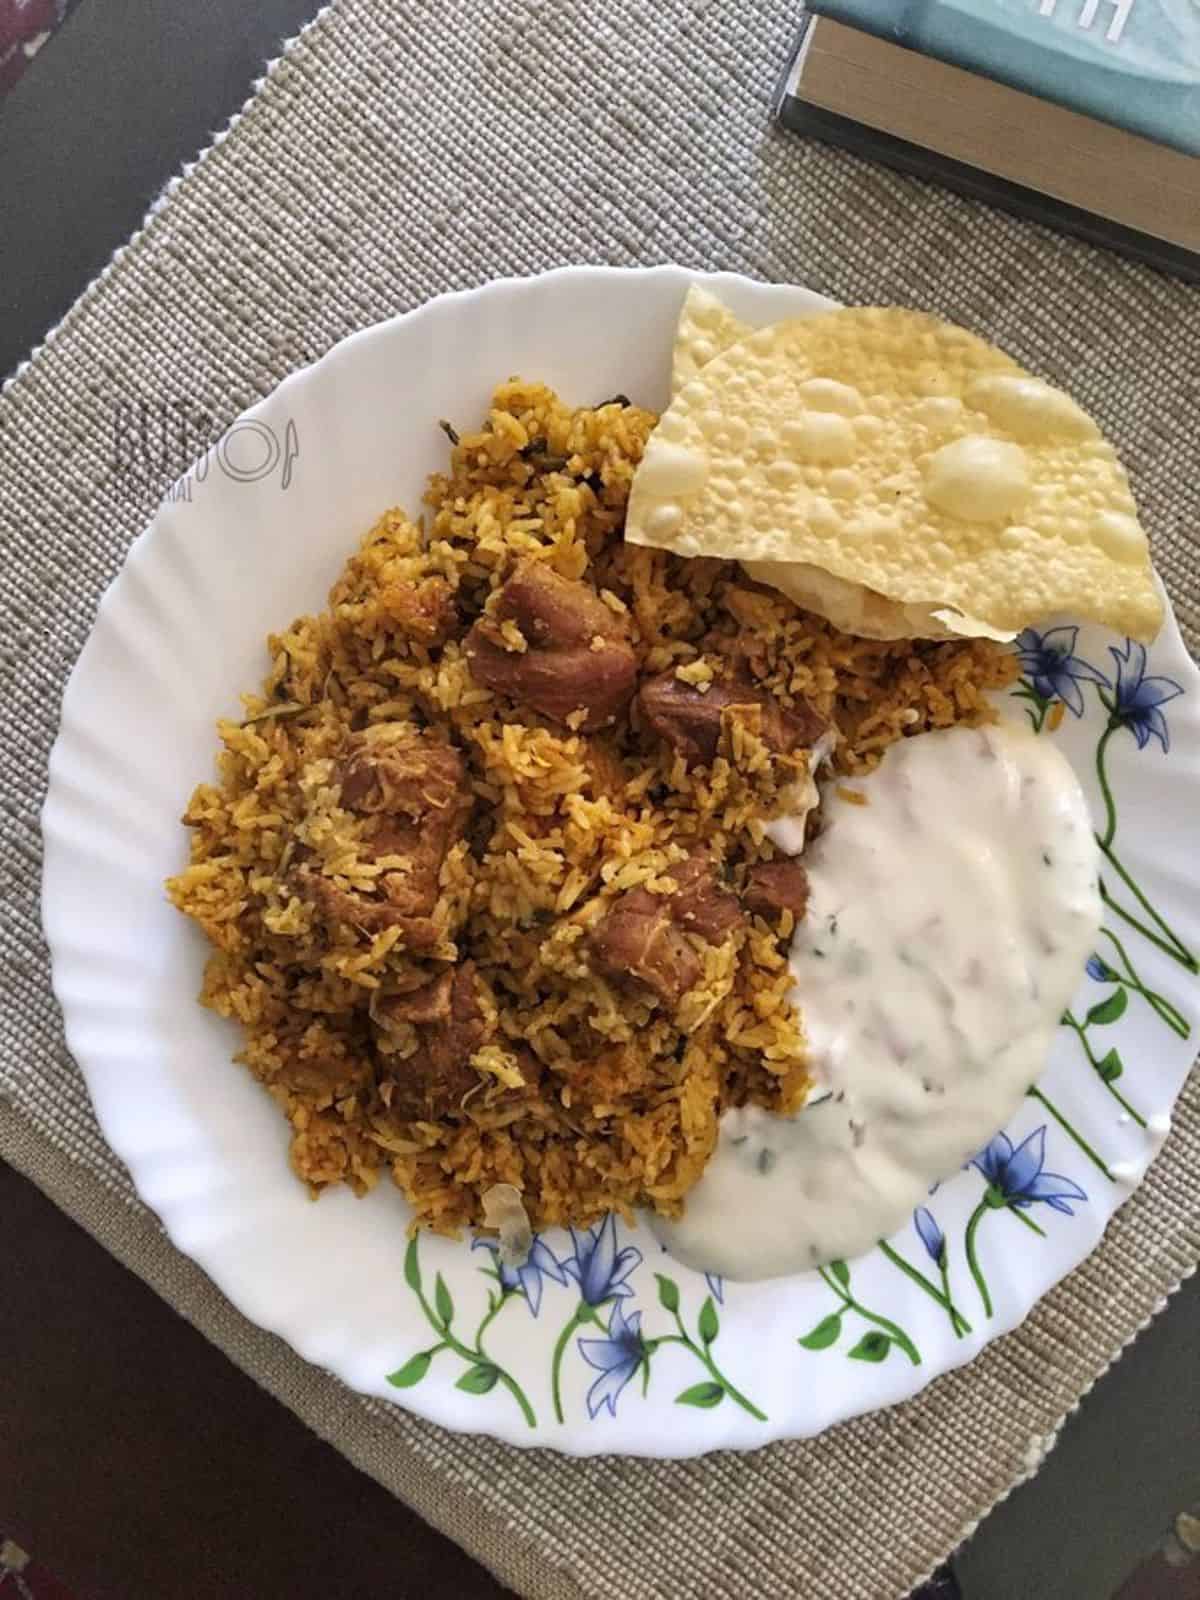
398 150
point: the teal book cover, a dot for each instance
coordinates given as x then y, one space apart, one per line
1135 63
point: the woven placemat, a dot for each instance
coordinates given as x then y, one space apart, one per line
396 151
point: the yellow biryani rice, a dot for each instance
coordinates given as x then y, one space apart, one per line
589 1095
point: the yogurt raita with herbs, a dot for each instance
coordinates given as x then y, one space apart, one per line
954 901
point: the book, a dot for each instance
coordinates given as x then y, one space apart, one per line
1135 63
1112 155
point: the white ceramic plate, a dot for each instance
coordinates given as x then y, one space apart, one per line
180 633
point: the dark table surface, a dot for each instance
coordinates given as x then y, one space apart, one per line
134 1459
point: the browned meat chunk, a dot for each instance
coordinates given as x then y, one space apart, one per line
370 914
637 939
423 611
644 936
431 1002
777 886
700 904
416 790
450 1028
577 658
400 773
691 721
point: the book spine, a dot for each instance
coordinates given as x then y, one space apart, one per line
1134 63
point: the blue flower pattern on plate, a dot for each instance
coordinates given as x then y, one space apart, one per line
616 1358
1139 699
1053 668
597 1266
930 1234
527 1279
1017 1174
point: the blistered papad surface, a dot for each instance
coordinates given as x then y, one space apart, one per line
899 452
